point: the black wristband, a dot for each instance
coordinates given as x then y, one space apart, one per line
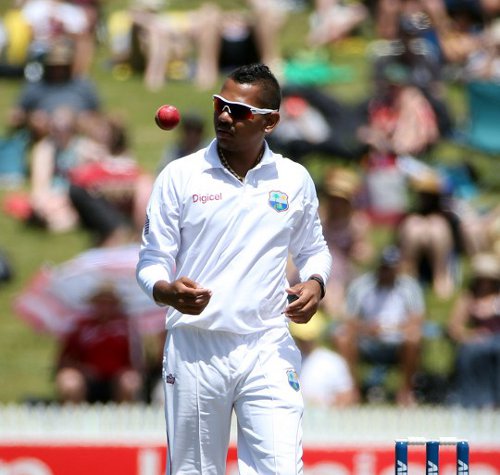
321 283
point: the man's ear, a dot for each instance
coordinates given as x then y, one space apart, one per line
271 122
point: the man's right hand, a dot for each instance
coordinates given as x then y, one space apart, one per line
184 294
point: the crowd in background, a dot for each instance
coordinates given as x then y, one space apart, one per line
81 172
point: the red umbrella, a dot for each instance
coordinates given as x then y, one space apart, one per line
57 297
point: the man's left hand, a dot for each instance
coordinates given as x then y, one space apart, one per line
306 305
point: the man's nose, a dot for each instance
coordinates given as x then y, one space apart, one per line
225 115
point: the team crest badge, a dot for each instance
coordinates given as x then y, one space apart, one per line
293 379
278 201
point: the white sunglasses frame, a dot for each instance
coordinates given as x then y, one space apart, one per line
253 110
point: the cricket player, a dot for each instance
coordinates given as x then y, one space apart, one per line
220 226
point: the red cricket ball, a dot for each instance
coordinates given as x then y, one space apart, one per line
167 117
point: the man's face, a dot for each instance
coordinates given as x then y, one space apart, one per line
234 134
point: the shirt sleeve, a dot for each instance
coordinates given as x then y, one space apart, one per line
308 248
161 234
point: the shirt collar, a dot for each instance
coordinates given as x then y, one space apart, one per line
212 159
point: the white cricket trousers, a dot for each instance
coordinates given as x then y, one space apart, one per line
207 374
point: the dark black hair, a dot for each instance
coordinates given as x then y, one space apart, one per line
258 73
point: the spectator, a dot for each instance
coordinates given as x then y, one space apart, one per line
51 160
346 231
384 317
431 236
51 20
228 39
416 59
401 119
318 360
57 88
475 326
100 361
109 189
88 178
165 37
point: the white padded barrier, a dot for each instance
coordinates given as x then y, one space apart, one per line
145 424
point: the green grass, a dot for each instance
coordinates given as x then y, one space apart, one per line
26 357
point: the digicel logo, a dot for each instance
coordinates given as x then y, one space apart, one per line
206 198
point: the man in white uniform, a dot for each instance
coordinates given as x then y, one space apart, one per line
220 226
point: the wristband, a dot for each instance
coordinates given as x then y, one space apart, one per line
321 283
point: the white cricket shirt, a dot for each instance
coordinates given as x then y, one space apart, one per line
232 238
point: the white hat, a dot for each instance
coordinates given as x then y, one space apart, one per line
485 265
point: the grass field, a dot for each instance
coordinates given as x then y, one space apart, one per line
26 357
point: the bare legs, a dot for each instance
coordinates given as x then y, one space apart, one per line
269 21
408 354
71 386
429 236
176 35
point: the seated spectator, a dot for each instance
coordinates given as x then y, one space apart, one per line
416 59
229 38
57 88
401 120
100 361
474 325
51 20
88 178
383 324
346 230
431 236
109 188
318 360
51 160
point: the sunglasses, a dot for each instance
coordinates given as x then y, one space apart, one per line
237 110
